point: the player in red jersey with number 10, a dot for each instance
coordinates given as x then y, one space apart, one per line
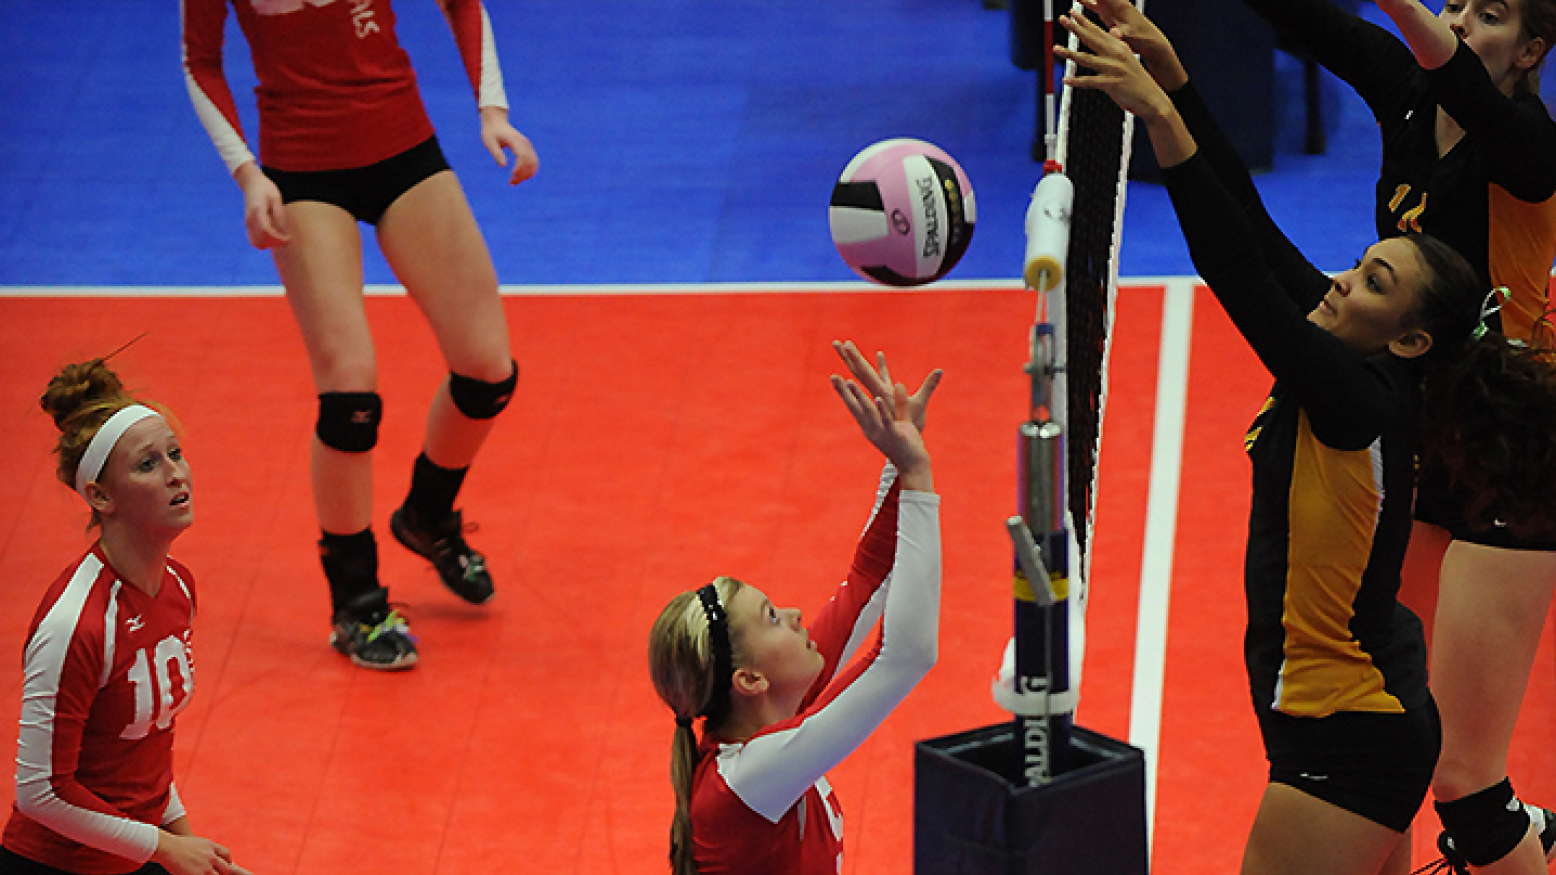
108 661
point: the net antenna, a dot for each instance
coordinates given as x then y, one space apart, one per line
1073 226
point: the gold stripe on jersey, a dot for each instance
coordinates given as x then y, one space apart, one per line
1520 249
1399 195
1335 501
1252 437
1410 220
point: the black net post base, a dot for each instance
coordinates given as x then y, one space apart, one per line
970 818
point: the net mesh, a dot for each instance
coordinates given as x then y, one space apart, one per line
1094 163
1093 140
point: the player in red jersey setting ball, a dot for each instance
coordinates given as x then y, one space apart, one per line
780 703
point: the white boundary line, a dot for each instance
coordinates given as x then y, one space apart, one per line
556 290
517 291
1161 524
566 289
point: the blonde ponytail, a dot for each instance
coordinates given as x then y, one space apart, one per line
683 765
681 663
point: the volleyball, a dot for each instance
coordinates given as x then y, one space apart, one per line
902 212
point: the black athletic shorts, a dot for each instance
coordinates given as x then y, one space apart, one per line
1376 765
12 863
364 192
1438 504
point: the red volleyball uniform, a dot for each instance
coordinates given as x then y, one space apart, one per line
107 668
763 806
336 90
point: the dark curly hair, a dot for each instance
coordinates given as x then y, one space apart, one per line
1489 426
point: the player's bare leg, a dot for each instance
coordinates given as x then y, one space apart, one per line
321 268
1491 613
1298 834
431 241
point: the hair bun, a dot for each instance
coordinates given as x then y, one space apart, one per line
77 388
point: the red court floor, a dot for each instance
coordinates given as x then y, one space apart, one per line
656 441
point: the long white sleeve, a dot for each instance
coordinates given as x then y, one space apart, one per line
774 769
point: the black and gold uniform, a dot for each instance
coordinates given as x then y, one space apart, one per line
1336 666
1490 197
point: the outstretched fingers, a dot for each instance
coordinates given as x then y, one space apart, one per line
878 416
877 381
891 419
1125 21
1112 12
926 390
1107 49
1116 71
861 404
901 405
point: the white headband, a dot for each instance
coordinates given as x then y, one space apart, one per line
103 442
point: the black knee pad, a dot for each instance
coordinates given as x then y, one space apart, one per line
479 399
1485 826
348 421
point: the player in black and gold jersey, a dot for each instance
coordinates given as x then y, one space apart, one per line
1468 146
1469 155
1336 666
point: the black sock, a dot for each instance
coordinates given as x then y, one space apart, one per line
350 566
433 490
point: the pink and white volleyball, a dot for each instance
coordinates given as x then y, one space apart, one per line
902 212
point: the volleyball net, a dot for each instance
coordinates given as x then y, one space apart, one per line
1094 154
1074 226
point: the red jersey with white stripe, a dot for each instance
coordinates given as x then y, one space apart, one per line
764 807
336 90
107 668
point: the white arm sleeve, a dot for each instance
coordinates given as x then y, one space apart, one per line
35 795
877 603
775 769
478 49
206 83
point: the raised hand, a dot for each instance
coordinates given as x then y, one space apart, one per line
1125 21
877 380
887 422
1115 69
1120 75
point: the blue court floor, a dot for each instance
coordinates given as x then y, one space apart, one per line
681 141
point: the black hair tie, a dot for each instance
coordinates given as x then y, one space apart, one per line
723 656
